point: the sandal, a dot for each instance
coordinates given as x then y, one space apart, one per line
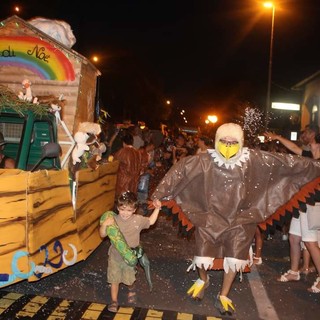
197 289
113 307
289 276
315 288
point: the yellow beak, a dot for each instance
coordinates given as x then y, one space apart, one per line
228 150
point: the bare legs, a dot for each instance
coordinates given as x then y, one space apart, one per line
258 246
306 260
113 306
314 251
114 292
295 251
227 282
203 275
307 265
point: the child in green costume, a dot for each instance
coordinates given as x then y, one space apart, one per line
130 225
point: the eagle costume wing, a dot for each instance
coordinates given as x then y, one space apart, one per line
226 202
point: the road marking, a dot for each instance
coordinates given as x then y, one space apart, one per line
60 311
50 308
154 314
7 300
264 305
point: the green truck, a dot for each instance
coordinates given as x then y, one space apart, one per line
31 139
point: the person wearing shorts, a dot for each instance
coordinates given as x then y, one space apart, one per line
299 227
299 230
130 225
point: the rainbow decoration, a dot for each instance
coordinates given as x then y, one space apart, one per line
36 55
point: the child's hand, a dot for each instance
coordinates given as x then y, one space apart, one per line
157 203
108 222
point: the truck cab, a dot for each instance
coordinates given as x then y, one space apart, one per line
26 133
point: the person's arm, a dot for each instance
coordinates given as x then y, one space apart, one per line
154 216
103 227
293 147
174 154
315 149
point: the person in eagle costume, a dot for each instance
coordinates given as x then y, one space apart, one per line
225 194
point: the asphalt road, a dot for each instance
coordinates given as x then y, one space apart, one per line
257 296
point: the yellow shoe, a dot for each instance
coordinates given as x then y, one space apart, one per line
224 305
197 289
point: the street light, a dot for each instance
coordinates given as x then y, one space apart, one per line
268 104
213 119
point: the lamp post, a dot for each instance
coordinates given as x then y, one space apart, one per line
268 102
97 109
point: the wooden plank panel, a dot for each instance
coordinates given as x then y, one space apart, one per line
95 195
12 225
92 183
13 194
88 220
12 238
51 228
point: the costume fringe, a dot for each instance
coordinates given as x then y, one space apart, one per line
229 263
201 262
308 194
234 264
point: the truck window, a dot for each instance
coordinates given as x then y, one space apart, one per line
12 133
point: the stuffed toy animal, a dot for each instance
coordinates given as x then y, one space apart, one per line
27 96
81 146
84 138
90 127
96 151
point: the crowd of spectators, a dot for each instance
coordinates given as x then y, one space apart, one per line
157 150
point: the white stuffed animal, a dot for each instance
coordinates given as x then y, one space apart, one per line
27 96
81 146
90 127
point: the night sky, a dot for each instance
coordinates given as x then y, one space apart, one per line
205 56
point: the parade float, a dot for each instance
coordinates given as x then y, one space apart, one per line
51 203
